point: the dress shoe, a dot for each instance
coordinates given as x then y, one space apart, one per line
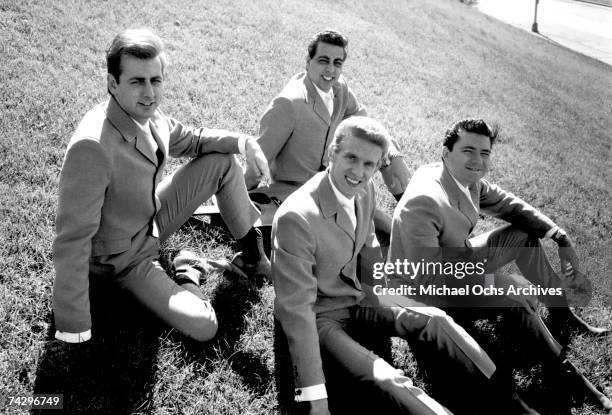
576 382
259 268
189 266
564 321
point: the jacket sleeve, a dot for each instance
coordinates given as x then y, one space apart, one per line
415 238
295 284
353 106
504 205
83 181
276 126
190 142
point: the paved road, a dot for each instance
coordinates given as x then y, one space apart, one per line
584 27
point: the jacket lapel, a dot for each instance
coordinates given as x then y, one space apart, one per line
318 106
129 130
330 206
457 198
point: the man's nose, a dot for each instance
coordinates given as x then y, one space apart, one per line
148 90
358 170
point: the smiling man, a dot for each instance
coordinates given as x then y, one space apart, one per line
323 235
435 218
300 122
114 208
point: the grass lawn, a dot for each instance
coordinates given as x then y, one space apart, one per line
418 66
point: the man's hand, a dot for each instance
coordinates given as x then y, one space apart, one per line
396 175
570 267
257 164
530 302
318 407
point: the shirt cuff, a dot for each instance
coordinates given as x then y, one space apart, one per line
73 337
242 144
551 232
311 393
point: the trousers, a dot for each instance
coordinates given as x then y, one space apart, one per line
138 271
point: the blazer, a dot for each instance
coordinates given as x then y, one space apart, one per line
314 265
435 213
296 128
107 194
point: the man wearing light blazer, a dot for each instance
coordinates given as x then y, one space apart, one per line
320 235
299 124
435 218
114 208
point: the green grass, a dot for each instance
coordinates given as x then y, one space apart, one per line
417 66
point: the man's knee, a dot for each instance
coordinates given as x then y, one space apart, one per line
522 237
203 328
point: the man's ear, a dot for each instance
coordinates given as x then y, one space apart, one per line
444 152
111 83
331 153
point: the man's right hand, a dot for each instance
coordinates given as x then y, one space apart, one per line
251 178
319 407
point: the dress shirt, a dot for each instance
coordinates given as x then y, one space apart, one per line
327 97
466 191
347 204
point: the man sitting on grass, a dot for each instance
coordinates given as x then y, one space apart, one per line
300 122
433 224
323 235
115 209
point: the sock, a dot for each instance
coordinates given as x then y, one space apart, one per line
248 245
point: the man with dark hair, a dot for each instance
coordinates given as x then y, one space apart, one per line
114 208
433 224
321 233
298 125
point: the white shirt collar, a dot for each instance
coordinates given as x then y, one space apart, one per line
465 190
343 200
323 94
141 125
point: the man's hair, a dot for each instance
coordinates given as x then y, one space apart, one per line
470 125
327 36
139 43
365 128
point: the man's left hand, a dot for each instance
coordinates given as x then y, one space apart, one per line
256 160
570 267
396 175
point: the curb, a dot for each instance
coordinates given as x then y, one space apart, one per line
604 3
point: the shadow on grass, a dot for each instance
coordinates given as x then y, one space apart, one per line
232 299
114 372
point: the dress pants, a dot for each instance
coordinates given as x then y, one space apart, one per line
427 325
510 243
138 271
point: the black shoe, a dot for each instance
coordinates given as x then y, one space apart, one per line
577 383
563 321
259 268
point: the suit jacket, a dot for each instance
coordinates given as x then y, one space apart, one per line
435 213
314 265
296 128
107 194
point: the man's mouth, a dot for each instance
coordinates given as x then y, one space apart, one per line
147 105
353 182
327 78
476 170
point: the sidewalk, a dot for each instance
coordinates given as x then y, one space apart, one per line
581 26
